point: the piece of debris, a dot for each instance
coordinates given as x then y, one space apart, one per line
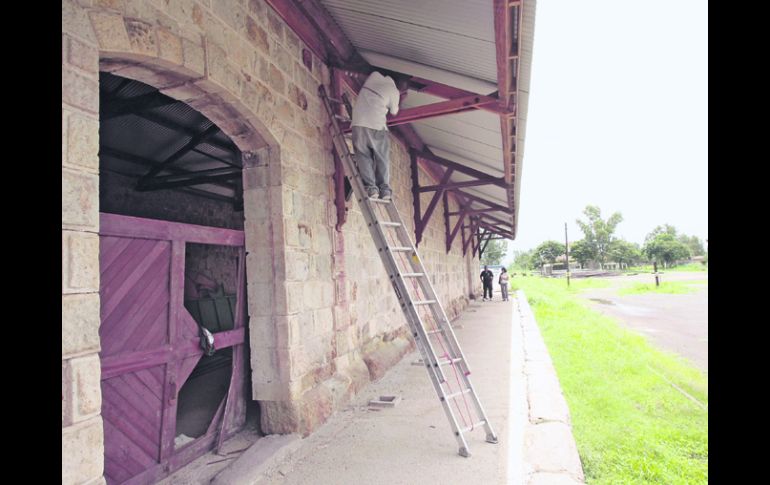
385 401
182 440
419 362
220 461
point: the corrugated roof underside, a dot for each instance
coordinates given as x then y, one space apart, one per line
454 35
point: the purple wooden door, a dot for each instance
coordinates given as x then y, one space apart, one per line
150 345
135 324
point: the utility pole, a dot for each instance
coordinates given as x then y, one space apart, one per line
566 247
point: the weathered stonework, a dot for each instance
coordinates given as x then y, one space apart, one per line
82 447
323 319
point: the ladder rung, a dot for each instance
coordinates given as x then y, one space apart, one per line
475 425
412 275
380 201
458 393
342 118
451 361
402 249
425 302
431 332
334 100
390 224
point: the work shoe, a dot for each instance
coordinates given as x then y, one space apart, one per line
386 196
372 192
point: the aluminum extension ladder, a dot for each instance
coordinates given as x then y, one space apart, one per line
428 322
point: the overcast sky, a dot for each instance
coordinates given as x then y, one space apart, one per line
617 118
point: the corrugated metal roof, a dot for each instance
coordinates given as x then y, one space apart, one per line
454 35
451 42
157 133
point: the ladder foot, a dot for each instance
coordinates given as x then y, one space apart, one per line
491 438
464 452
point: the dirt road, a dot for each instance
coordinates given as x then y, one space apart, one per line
673 322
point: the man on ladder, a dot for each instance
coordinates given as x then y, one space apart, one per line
371 141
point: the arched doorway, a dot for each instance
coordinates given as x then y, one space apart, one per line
172 282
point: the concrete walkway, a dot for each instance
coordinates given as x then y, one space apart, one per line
412 442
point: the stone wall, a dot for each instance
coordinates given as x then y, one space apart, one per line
323 322
117 196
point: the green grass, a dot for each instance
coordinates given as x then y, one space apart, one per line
673 287
630 425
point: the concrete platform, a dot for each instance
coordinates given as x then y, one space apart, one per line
412 441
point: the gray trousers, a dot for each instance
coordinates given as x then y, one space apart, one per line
504 290
372 154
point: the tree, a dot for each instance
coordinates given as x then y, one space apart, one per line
598 232
664 229
548 251
624 252
693 243
581 252
494 252
524 260
666 248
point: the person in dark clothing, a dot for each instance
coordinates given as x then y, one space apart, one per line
486 279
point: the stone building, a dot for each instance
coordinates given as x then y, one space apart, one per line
200 190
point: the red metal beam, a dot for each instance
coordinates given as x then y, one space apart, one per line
451 106
463 169
296 19
458 185
443 108
432 206
502 13
483 201
422 85
453 234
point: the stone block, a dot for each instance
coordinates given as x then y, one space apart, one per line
275 24
111 4
79 91
275 79
284 60
110 31
324 321
67 394
82 451
222 77
194 57
80 262
296 296
231 12
260 299
75 21
257 35
260 267
80 323
141 35
186 92
297 266
279 417
83 56
297 96
83 141
380 356
257 8
169 47
86 377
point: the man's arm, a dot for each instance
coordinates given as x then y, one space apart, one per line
395 98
